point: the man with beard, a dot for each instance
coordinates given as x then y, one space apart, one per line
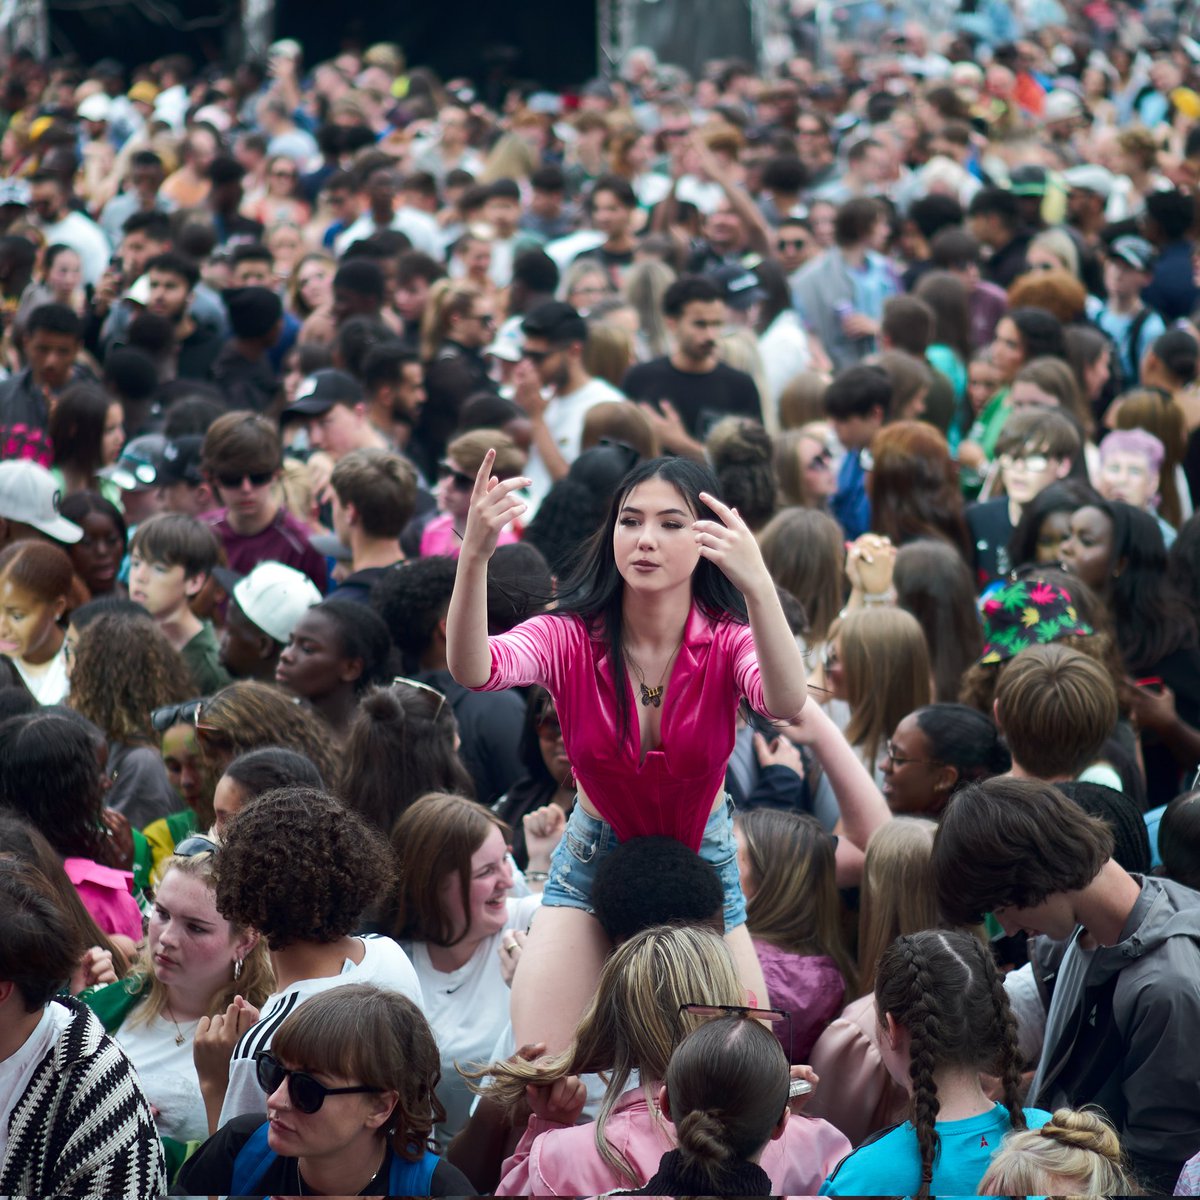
172 279
394 382
556 391
685 394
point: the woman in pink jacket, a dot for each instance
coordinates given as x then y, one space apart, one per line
670 621
634 1023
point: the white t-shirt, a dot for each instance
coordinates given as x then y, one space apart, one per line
564 419
419 227
18 1069
167 1073
384 964
47 683
468 1010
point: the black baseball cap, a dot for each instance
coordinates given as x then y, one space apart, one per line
181 461
321 390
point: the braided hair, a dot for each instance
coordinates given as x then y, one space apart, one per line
943 988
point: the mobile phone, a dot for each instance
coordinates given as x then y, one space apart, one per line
1152 683
798 1087
117 263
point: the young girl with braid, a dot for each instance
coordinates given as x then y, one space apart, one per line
943 1019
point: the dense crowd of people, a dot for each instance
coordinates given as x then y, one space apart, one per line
636 640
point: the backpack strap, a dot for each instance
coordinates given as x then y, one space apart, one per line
1133 336
412 1178
251 1162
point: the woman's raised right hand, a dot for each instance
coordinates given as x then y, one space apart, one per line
494 504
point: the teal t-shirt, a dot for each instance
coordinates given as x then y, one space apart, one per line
889 1164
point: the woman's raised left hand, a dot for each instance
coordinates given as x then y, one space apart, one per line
730 544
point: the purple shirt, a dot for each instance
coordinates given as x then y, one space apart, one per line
809 986
285 540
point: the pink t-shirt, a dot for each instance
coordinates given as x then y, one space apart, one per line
438 537
107 894
670 791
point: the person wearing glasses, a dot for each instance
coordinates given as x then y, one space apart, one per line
555 388
676 979
301 869
459 322
194 963
933 750
444 533
349 1084
670 620
243 458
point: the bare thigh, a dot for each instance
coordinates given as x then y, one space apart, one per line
559 969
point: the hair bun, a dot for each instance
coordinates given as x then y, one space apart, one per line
1084 1130
701 1137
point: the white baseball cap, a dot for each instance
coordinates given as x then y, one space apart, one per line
274 597
30 494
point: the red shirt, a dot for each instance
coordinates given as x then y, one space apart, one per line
285 540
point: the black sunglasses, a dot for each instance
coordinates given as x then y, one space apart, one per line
305 1092
170 715
257 478
461 480
536 356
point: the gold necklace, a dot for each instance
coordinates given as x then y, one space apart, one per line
179 1037
653 695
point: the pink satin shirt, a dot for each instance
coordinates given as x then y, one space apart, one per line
671 790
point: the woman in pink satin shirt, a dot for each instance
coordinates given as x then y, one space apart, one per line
669 622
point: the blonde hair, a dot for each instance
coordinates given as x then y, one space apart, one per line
255 982
644 286
608 352
447 298
1057 242
804 550
632 1023
739 348
885 664
512 157
1076 1152
898 891
468 451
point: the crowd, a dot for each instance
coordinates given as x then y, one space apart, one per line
643 639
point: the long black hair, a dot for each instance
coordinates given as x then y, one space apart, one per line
1152 618
1063 497
595 589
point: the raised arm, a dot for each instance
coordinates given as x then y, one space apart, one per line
730 544
861 804
493 505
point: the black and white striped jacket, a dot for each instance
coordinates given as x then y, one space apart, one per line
83 1126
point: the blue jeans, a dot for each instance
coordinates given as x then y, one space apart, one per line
587 841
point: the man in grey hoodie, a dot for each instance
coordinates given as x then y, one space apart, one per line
1116 960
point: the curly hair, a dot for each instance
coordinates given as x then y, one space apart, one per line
943 988
124 669
299 866
248 715
412 598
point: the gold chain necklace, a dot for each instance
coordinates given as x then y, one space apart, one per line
653 695
179 1037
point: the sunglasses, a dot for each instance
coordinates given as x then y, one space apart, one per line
305 1092
190 847
821 459
257 478
170 715
775 1017
423 687
460 480
548 727
536 356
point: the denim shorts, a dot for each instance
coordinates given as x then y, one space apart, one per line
587 841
